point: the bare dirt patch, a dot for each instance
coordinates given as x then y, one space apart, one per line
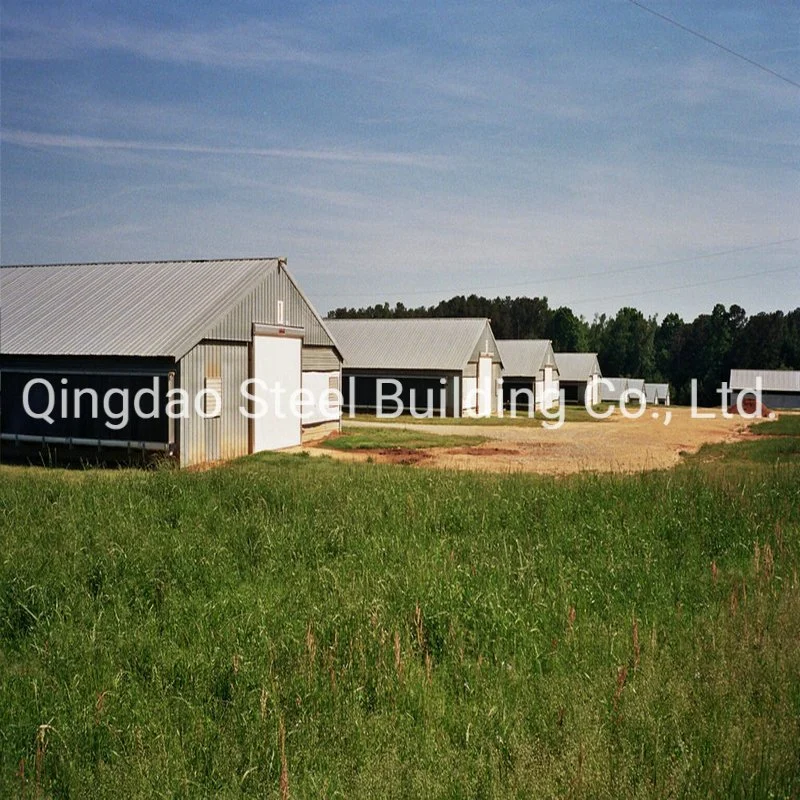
616 445
481 451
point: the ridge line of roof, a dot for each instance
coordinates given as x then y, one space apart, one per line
145 261
407 319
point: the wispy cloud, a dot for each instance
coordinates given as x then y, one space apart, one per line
375 157
252 44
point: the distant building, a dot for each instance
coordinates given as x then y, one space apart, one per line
529 371
657 394
579 372
440 364
780 388
203 327
612 389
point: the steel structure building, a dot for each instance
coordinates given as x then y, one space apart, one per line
529 371
204 327
780 388
444 367
578 372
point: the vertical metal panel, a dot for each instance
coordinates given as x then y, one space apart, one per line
225 436
261 305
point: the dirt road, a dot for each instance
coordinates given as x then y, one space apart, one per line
615 445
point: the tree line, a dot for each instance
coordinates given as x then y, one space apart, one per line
629 344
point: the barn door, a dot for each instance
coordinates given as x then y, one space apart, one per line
484 386
276 362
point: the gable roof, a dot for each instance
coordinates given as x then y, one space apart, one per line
577 366
772 380
153 308
656 391
636 384
415 344
526 357
615 391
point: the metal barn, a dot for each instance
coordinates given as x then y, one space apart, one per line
612 390
529 372
444 366
204 327
657 394
577 373
780 388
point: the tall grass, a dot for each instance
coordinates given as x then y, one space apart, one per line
299 627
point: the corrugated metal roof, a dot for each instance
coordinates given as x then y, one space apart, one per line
525 357
133 308
614 392
656 392
772 380
420 344
577 366
636 384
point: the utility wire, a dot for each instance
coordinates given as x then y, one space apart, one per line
711 41
572 277
686 285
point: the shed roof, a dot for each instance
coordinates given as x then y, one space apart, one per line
152 308
772 380
411 344
577 366
526 357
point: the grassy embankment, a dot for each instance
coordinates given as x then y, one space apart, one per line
305 627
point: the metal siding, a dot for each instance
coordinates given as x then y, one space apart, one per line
496 374
486 338
319 359
222 437
261 305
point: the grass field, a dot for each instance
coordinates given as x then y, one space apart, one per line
785 425
287 626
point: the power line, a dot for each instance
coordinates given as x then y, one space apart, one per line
582 276
660 290
712 41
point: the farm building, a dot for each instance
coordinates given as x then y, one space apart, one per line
637 387
657 394
442 366
200 328
612 390
530 373
780 388
578 372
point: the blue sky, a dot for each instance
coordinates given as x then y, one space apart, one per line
414 151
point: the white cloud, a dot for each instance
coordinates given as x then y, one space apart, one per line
68 141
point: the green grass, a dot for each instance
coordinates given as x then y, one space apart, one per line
418 633
355 438
785 425
571 414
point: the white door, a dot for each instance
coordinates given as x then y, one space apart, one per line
484 386
276 368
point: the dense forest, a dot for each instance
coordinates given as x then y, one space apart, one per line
630 344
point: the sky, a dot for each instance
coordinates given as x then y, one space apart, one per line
583 150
